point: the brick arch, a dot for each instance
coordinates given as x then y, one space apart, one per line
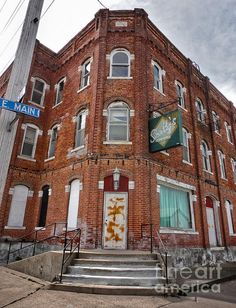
123 172
114 99
74 177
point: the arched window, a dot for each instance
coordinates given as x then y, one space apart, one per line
180 93
53 141
228 132
200 110
222 164
206 156
85 74
18 205
233 163
120 63
72 216
216 122
80 129
186 150
38 91
229 212
157 74
29 140
118 122
44 207
59 91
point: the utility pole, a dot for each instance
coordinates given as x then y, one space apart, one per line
17 82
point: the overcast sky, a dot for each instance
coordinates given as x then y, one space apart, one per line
203 30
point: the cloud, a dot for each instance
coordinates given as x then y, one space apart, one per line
203 30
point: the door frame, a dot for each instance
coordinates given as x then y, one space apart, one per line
215 208
126 221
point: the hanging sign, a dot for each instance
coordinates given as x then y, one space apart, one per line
165 131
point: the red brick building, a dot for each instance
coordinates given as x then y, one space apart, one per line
96 96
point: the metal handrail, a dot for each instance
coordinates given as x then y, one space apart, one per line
72 250
35 240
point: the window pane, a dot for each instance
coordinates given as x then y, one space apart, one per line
118 116
174 208
29 142
87 68
120 71
53 143
118 132
80 138
120 57
36 97
39 85
27 149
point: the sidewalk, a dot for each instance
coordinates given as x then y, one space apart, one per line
18 290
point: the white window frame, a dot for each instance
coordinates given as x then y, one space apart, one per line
216 124
161 180
84 114
228 133
229 213
128 64
50 142
233 163
201 112
207 161
38 132
186 146
160 75
33 79
181 97
83 75
57 87
221 157
120 105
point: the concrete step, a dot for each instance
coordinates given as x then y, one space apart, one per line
116 271
117 256
109 290
116 263
113 280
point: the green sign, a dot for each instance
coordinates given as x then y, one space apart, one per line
165 131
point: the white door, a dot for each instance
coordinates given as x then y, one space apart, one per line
211 226
18 205
115 221
73 205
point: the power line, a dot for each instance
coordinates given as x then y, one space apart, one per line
7 64
3 6
47 9
13 15
102 4
10 40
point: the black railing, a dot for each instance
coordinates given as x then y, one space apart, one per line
160 246
71 244
35 239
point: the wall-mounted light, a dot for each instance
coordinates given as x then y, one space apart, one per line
116 178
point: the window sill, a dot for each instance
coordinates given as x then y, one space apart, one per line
183 108
232 234
217 248
169 231
49 159
218 133
35 104
26 158
77 149
80 90
122 78
161 92
14 228
39 228
207 171
165 153
230 143
224 179
117 142
56 105
187 162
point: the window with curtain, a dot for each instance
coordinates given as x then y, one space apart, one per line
180 94
80 129
59 91
38 91
228 132
29 141
175 211
200 110
186 150
222 164
85 74
229 212
118 122
53 140
157 73
206 156
120 64
216 122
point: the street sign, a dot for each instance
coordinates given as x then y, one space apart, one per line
19 107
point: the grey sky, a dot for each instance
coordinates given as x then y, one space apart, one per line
203 30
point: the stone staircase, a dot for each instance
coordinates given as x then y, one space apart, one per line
113 272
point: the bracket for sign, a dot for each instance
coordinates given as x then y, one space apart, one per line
10 124
162 105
